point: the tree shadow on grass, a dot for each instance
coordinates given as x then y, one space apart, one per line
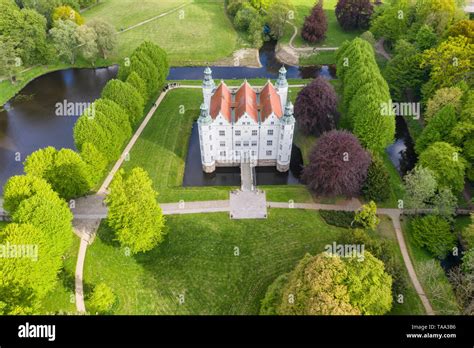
107 235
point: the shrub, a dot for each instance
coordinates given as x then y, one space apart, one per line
316 107
377 183
339 218
102 299
443 97
354 14
338 165
315 25
433 233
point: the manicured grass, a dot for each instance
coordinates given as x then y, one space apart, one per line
197 34
335 36
411 303
162 148
436 285
198 259
62 298
319 58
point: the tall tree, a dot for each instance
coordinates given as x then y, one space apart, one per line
354 14
433 232
127 97
338 165
315 25
420 186
106 40
316 107
87 42
134 214
10 62
64 39
67 13
277 15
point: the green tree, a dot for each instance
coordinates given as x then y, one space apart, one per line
9 59
21 187
369 286
377 181
444 203
467 235
439 128
64 170
403 73
64 38
261 4
140 85
87 42
425 38
134 213
127 97
420 186
367 216
433 233
277 15
446 163
106 39
102 299
96 161
394 22
442 97
67 13
450 62
463 27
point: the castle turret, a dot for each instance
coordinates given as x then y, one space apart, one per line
282 87
287 123
205 136
208 87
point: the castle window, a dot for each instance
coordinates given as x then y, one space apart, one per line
222 153
246 143
269 142
281 137
210 147
254 132
269 153
253 153
221 133
222 143
270 132
237 132
281 147
210 137
272 123
254 142
279 157
238 143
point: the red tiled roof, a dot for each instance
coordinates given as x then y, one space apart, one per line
269 102
220 102
246 102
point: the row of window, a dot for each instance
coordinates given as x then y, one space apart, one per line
223 153
247 143
238 132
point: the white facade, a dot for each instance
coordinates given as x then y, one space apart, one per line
245 124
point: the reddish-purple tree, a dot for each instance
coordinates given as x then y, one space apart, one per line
338 165
354 14
315 25
316 107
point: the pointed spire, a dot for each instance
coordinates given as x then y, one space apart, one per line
281 82
208 82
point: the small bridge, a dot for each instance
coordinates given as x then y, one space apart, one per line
248 202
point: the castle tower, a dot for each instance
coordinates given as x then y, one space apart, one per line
208 87
286 141
282 87
205 140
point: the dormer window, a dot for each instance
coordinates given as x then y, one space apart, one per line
270 132
222 133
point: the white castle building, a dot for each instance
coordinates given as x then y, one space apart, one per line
245 124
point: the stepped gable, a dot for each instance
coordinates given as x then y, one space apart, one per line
269 102
221 101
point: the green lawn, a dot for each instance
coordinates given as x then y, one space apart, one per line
196 34
335 36
411 303
161 150
436 285
197 260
